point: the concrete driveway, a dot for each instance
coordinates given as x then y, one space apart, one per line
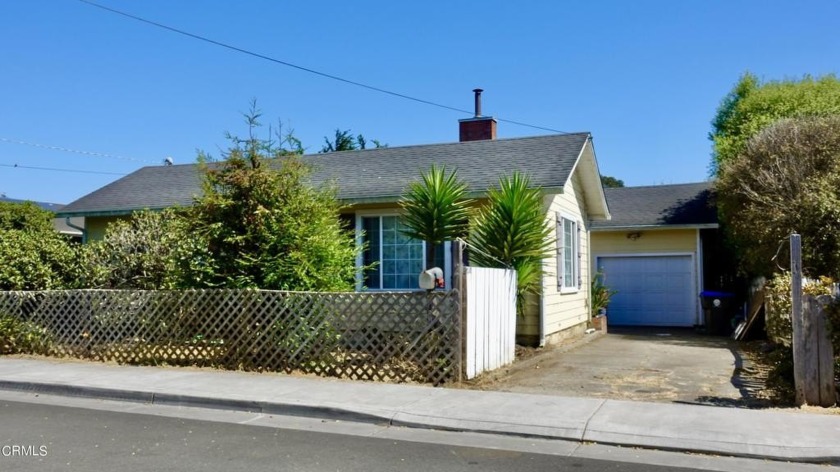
635 364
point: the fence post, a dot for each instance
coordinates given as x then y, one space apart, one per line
459 282
798 339
813 363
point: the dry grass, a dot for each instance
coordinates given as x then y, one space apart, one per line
772 395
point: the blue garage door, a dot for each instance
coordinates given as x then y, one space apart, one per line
652 290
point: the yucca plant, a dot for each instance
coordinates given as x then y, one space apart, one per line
600 294
510 230
436 209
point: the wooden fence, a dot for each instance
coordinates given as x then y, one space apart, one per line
386 336
490 331
813 356
428 337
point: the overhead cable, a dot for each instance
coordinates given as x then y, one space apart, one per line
305 69
54 169
75 151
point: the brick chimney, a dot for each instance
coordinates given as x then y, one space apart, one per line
477 128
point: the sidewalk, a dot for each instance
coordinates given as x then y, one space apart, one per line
725 431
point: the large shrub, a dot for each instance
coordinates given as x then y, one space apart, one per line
32 260
25 216
787 179
36 260
33 256
266 227
151 250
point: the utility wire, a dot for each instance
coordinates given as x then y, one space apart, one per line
305 69
53 169
75 151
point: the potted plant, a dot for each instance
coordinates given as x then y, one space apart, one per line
601 295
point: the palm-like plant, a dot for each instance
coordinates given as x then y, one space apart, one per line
436 209
511 230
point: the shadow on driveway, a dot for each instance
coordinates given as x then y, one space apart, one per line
642 364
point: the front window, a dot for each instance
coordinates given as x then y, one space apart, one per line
396 260
568 254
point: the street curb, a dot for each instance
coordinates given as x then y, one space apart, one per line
136 396
397 418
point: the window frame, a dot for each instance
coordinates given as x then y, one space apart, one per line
576 255
360 239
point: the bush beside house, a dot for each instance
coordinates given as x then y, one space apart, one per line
33 256
777 162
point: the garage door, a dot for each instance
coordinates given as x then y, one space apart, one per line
652 290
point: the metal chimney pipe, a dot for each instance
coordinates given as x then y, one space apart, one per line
477 101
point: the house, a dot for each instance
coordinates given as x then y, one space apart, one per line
661 248
70 227
370 182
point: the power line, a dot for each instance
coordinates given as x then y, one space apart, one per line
53 169
75 151
306 69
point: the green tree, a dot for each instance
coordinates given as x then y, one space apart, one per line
149 251
266 227
281 140
611 182
345 141
786 179
752 106
510 230
436 209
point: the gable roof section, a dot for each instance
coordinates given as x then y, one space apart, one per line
660 206
372 175
593 192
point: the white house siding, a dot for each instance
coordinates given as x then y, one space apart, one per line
566 310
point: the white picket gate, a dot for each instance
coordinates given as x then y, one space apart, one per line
491 319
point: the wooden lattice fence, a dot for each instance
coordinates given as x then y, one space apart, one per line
394 336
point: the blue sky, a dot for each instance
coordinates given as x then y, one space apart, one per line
643 77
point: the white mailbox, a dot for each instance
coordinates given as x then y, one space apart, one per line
432 279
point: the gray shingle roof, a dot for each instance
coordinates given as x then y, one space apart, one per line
370 175
660 205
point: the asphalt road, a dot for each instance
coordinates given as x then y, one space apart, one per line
41 437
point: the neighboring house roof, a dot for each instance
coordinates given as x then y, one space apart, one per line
660 206
53 207
60 224
373 175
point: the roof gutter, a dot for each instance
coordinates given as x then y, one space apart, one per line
95 213
80 228
397 198
604 229
345 201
